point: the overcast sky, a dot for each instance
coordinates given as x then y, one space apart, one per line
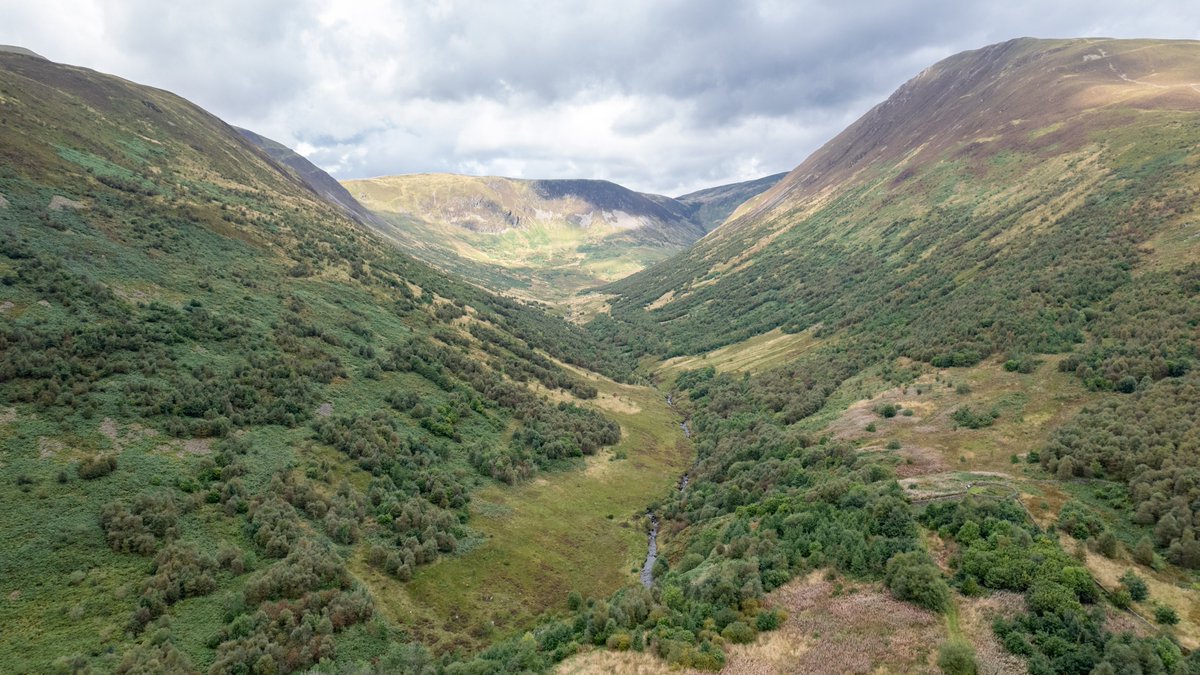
660 96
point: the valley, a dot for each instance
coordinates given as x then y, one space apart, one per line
542 240
924 404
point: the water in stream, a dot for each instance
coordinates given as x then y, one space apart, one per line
652 538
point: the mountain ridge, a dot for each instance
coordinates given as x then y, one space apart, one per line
544 239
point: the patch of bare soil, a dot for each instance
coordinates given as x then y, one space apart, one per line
59 203
8 415
859 630
3 202
920 461
976 616
192 446
6 305
49 447
325 410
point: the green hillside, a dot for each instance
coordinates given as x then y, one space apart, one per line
223 400
1015 224
544 240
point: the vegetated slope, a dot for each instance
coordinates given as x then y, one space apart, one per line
215 390
969 212
711 206
542 239
1027 198
313 176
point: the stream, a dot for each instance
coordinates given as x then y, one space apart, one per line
647 575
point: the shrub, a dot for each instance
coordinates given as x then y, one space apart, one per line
965 417
1166 615
1121 598
887 410
893 444
574 601
97 467
619 641
769 620
1138 590
139 526
1143 553
956 657
913 577
738 633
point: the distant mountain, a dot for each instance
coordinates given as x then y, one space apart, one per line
313 176
542 239
711 206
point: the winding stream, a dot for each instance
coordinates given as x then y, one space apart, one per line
647 575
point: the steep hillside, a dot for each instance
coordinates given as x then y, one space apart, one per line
313 176
544 239
711 206
230 416
989 284
976 210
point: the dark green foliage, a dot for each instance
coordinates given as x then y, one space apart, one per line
887 410
1147 441
1135 585
915 578
180 571
965 417
1166 615
97 466
738 633
140 525
956 657
1079 521
1063 631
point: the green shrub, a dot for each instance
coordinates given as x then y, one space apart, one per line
913 577
893 444
887 410
965 417
769 619
1138 590
97 466
1166 615
956 657
738 633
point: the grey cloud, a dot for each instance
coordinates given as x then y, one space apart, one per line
663 96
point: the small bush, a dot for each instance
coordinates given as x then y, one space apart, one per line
97 467
887 410
1138 590
1166 615
893 445
965 417
738 633
956 657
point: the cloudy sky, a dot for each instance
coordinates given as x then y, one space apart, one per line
664 96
